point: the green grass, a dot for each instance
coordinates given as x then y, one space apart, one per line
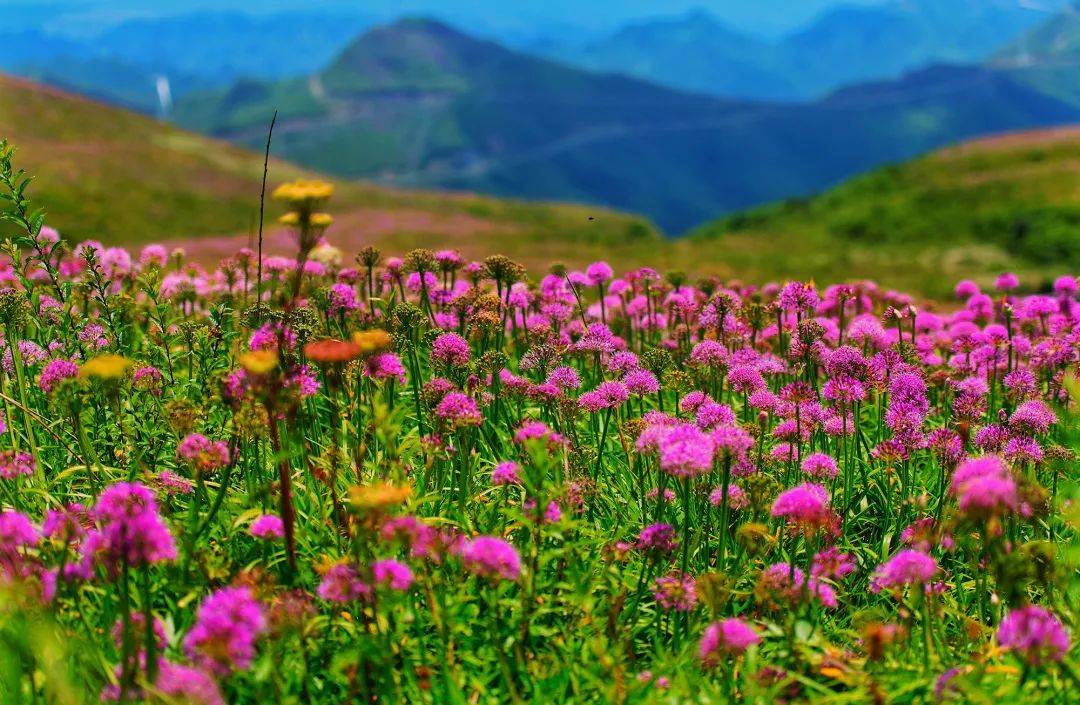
970 210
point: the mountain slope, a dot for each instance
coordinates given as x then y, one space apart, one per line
418 103
692 52
106 173
1048 57
1002 203
1006 202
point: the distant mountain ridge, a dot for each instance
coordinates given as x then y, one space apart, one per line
193 51
845 45
1048 57
419 103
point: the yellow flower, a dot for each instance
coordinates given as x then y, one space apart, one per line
321 220
325 563
379 496
105 367
371 341
304 191
327 254
290 218
1003 668
259 362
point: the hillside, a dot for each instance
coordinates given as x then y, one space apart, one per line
106 173
1048 57
1007 202
418 103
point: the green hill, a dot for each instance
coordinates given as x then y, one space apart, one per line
1009 202
120 177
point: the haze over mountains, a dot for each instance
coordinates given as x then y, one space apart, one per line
421 103
1047 57
699 52
117 54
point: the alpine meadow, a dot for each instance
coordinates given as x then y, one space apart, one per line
626 354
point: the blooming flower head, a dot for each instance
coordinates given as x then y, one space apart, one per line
490 557
676 592
225 632
685 451
55 372
797 296
659 538
14 464
383 366
392 574
641 382
736 497
203 454
268 526
984 487
565 378
341 299
148 379
1006 282
459 410
781 585
1033 634
1066 285
805 507
170 483
183 684
599 272
832 563
1032 417
451 350
16 531
506 473
342 583
819 466
533 430
731 441
130 530
730 637
709 353
908 567
66 523
966 289
606 396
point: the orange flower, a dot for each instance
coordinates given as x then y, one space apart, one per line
331 352
372 341
378 497
259 362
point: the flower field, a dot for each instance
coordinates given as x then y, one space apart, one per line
357 477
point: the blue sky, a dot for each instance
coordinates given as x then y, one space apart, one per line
753 15
769 17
